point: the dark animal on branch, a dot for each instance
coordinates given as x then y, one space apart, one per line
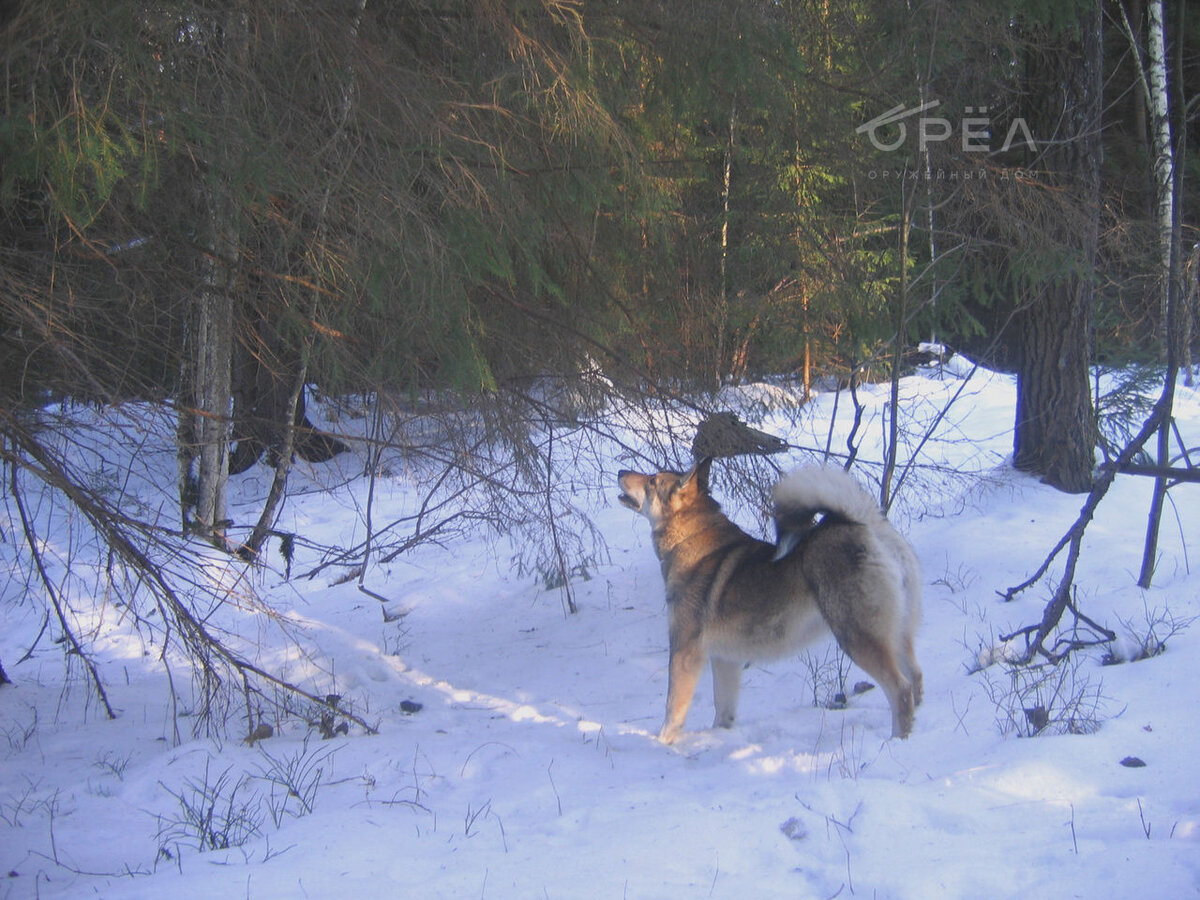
723 434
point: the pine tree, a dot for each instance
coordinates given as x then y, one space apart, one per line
1055 433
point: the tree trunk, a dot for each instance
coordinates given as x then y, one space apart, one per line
1182 306
1190 307
1055 432
1169 251
205 397
207 389
213 392
723 299
1164 157
907 202
1141 121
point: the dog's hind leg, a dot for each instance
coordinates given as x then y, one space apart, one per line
727 682
881 653
908 630
865 604
912 669
687 662
879 661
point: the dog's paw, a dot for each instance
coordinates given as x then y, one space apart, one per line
669 734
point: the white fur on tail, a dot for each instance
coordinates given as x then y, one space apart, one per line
826 488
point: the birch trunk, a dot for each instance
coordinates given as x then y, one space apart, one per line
723 300
1164 157
1164 189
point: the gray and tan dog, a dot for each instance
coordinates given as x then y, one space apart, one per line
837 565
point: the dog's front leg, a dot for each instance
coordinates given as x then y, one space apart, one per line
727 683
687 662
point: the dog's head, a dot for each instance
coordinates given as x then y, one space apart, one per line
657 496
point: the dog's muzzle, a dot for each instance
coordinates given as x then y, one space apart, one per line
625 498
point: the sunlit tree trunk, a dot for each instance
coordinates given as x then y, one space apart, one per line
723 299
1155 83
1164 157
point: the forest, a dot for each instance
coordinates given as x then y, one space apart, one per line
487 220
326 327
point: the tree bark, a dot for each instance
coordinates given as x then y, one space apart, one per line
1190 306
1169 251
723 299
213 391
1164 156
207 390
1055 432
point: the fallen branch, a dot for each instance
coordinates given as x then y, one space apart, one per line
34 545
1073 538
206 651
1063 646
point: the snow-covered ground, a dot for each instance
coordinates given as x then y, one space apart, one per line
515 753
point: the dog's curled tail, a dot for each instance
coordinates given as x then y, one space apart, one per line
812 495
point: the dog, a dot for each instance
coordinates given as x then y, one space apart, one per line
836 565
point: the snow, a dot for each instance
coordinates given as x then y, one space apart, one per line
530 767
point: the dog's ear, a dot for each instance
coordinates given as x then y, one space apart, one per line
699 474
